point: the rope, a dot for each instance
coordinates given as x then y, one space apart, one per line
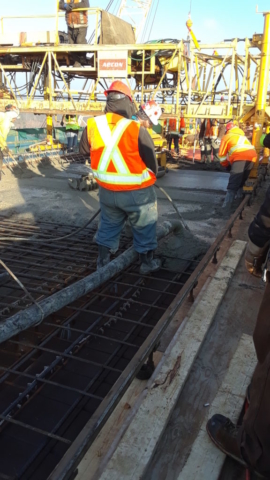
153 20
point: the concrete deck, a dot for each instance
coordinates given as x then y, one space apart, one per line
41 193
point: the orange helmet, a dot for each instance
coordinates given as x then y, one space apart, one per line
229 126
119 87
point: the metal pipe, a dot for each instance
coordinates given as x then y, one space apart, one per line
261 92
34 315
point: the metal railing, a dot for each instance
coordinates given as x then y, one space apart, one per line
58 14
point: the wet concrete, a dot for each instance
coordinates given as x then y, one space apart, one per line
200 180
41 193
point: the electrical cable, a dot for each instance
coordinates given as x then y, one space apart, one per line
57 239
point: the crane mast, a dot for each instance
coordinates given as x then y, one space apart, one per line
136 12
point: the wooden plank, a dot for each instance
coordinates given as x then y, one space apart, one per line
205 460
138 444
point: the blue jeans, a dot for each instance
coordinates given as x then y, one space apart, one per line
139 207
72 140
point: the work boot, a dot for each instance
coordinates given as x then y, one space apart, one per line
255 258
223 434
104 256
149 263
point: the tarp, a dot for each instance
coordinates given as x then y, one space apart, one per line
19 140
115 31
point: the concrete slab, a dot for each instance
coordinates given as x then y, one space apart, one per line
200 180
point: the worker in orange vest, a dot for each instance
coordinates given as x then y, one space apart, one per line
238 155
209 140
124 165
77 23
174 131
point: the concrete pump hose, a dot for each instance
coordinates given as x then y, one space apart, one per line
36 313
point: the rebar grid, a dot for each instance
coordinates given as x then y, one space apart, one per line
65 367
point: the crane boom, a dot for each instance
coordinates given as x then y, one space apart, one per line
136 12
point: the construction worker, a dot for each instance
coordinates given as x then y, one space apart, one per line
209 141
124 164
238 155
72 130
249 444
6 123
174 134
77 23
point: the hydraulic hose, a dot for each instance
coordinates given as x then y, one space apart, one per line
57 239
175 207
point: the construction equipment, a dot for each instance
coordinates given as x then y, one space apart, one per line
201 80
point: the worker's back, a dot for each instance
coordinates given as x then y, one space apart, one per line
115 156
236 144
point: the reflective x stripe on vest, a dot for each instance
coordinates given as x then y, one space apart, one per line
111 153
241 145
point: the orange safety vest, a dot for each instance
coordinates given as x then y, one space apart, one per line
173 124
214 131
115 157
208 129
76 18
236 145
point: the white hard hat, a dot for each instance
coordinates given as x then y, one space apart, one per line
152 110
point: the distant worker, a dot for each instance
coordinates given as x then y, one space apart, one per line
77 22
249 443
6 123
238 155
124 164
209 140
72 130
176 129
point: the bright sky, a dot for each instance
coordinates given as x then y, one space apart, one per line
213 20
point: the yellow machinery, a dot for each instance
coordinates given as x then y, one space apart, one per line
223 81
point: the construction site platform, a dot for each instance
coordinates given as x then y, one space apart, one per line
151 431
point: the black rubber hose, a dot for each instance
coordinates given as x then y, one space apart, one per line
57 239
175 207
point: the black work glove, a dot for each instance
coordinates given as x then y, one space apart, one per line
68 7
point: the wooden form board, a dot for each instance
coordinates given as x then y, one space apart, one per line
205 460
138 444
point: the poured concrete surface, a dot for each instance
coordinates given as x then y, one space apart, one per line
41 193
200 180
